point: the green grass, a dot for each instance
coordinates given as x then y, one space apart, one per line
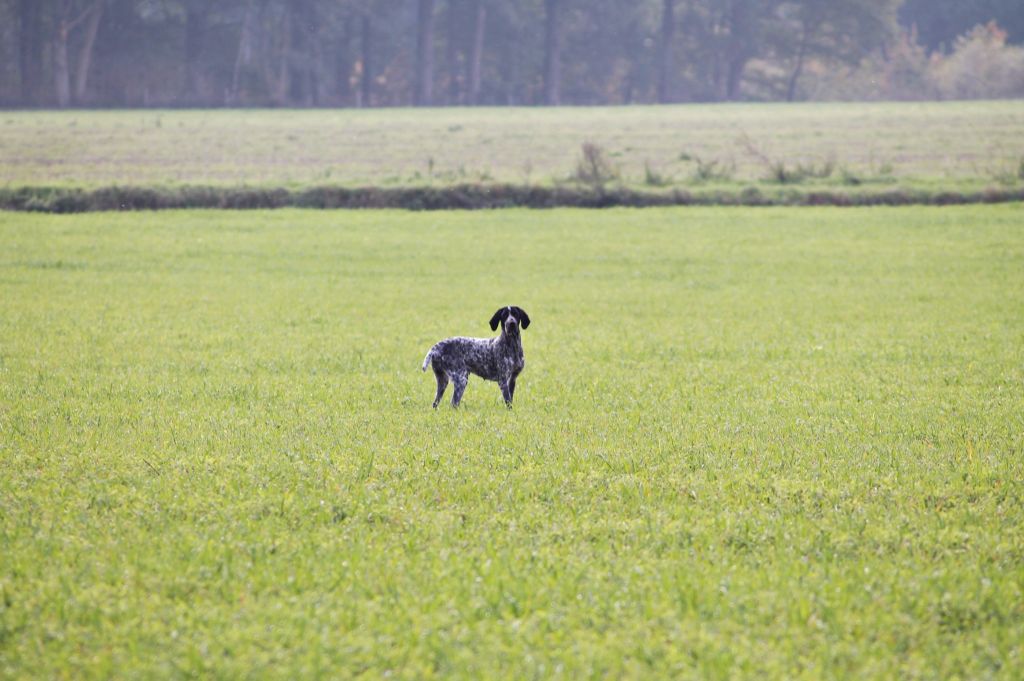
961 146
763 443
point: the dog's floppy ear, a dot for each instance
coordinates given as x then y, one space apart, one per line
499 316
521 315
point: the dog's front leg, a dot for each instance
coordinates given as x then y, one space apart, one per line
506 390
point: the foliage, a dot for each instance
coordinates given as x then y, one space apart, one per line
594 168
707 170
330 53
786 171
746 443
654 177
981 66
830 33
938 23
489 196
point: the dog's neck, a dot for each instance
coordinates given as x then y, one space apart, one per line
511 338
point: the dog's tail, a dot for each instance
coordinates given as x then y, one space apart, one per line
428 359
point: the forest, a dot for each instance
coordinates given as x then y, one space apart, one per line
375 53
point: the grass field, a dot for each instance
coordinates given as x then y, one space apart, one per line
763 443
952 145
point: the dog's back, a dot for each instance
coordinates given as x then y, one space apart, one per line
497 359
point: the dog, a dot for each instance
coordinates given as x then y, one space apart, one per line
494 359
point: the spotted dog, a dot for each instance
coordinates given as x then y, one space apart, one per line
494 359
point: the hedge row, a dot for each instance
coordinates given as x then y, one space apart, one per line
461 197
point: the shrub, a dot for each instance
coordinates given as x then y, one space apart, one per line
850 177
652 177
981 66
593 168
821 171
711 169
782 172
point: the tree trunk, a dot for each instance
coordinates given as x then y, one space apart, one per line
283 86
799 66
318 87
300 56
552 53
668 30
452 53
343 62
740 21
29 59
61 72
242 56
476 52
92 27
366 45
734 77
424 53
195 21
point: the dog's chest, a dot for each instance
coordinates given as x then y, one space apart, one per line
508 358
516 359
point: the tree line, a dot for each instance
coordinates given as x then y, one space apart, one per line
307 53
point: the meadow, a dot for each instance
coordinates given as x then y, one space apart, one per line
954 146
780 443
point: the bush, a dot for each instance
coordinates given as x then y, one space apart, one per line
458 197
781 172
593 168
710 170
652 177
982 66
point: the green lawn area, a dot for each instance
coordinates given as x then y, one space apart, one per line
951 145
781 443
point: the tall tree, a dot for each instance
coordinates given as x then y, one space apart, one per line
723 36
344 62
195 28
938 23
247 46
281 88
70 16
365 62
424 53
668 32
382 52
303 57
30 47
741 43
552 52
833 32
91 28
452 43
476 52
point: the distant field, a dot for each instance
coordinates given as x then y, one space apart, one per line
772 443
951 145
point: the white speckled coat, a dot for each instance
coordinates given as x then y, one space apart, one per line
494 359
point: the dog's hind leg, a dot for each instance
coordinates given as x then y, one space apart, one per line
442 383
459 381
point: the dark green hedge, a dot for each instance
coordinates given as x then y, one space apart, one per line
461 197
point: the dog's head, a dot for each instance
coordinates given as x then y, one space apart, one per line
510 318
